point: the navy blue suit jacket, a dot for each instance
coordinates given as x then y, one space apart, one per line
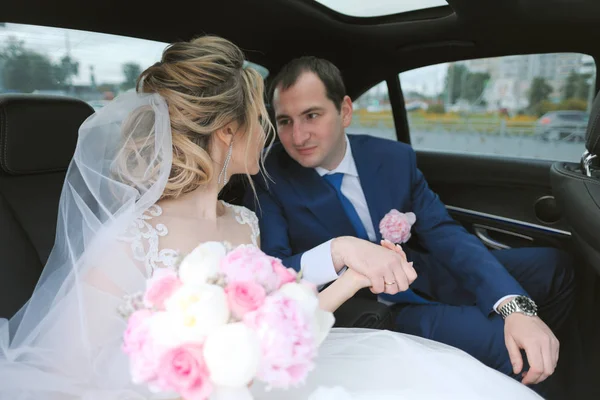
298 211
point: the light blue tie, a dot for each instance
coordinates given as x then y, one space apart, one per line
335 180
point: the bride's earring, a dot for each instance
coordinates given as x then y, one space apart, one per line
223 174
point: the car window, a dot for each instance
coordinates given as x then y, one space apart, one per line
93 67
530 106
372 114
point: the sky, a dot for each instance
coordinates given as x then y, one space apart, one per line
426 80
371 8
107 53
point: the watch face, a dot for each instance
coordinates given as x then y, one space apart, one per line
526 305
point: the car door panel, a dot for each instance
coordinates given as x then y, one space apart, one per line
506 202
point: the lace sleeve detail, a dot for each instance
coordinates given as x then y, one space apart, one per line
143 238
246 217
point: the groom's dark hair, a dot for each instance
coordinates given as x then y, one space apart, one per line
327 72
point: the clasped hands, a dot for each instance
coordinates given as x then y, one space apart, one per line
383 268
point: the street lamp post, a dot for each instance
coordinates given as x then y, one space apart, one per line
591 92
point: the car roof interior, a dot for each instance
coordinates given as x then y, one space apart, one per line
367 50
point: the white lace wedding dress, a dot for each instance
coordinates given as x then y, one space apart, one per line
353 364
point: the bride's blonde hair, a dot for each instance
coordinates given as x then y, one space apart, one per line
206 86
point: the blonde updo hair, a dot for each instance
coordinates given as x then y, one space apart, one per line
206 86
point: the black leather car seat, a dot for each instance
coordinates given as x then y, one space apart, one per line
38 135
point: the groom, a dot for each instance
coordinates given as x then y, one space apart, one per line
322 208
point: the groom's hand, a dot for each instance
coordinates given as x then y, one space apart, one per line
381 265
541 346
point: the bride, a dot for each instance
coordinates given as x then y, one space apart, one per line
141 190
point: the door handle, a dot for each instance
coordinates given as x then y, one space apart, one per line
482 234
481 231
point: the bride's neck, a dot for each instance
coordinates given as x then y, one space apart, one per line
202 203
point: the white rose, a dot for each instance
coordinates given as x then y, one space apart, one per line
202 263
198 310
322 321
232 355
302 294
165 331
226 393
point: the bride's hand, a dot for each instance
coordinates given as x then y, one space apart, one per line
355 280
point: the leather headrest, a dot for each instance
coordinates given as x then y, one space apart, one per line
39 133
592 136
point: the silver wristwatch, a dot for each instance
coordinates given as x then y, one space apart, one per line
520 304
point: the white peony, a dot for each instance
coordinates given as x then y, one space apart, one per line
322 321
202 263
302 294
196 311
226 393
232 355
165 331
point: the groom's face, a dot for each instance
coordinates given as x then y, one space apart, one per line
309 125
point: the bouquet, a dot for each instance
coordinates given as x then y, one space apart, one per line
224 318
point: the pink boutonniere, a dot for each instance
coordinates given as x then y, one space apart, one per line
395 226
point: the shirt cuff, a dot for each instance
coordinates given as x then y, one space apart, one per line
501 300
317 265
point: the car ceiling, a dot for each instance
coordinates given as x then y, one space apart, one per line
367 50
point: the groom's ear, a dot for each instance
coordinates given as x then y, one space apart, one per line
346 111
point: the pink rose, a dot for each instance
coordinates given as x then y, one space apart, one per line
144 365
182 369
395 226
248 263
136 332
244 297
285 275
137 343
160 287
288 345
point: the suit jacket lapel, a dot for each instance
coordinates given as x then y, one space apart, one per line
320 198
374 182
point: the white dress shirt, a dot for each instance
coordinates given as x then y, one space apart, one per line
317 264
